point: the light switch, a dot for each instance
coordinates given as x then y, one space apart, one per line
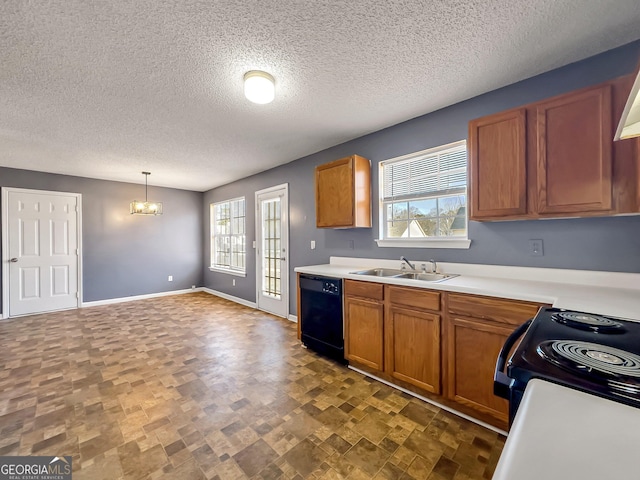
313 244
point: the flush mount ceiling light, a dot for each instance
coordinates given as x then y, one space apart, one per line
146 208
259 87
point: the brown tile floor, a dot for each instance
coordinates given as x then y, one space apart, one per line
193 387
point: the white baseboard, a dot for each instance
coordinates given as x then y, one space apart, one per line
133 298
432 402
244 302
231 298
226 296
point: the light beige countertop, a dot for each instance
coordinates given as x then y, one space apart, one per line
560 434
605 293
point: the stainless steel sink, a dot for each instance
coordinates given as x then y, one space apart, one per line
394 273
380 272
426 277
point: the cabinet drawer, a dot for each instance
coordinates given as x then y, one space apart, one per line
414 297
364 289
513 312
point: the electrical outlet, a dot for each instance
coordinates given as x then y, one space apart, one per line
313 244
536 248
234 282
170 278
193 287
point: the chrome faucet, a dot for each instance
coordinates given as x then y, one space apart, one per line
404 259
434 266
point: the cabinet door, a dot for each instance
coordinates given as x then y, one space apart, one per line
472 349
364 332
574 146
413 346
498 165
335 194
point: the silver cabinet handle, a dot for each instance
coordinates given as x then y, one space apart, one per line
13 260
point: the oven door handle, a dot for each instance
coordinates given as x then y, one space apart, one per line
501 382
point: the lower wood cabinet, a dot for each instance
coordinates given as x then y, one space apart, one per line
413 346
473 346
443 345
364 324
477 328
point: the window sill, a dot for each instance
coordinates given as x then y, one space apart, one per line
461 243
227 271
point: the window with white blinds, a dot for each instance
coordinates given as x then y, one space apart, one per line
424 194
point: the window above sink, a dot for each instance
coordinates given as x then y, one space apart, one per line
423 199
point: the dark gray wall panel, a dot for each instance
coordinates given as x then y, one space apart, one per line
123 254
607 244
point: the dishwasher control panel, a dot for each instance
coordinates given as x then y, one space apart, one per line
331 287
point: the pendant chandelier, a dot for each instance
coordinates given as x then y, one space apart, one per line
146 208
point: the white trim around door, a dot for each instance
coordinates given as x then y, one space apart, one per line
63 276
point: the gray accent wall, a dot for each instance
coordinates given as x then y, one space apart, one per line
122 254
125 255
606 244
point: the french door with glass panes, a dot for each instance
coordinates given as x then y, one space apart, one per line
272 250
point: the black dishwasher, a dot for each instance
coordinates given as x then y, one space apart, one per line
321 315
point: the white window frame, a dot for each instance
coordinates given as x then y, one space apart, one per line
458 242
220 268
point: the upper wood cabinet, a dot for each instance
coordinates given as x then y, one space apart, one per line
498 165
343 193
554 158
574 142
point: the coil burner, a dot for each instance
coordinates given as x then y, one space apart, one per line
588 322
617 368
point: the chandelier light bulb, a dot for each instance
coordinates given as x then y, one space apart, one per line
145 208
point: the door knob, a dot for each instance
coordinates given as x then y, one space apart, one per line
13 260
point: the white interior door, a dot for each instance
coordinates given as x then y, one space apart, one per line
41 251
272 250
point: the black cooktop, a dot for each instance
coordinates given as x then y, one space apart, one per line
594 353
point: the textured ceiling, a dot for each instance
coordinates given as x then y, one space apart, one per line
108 89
